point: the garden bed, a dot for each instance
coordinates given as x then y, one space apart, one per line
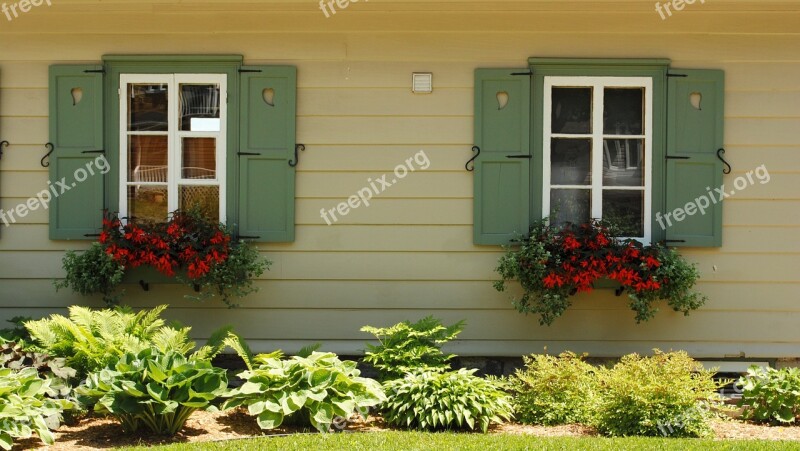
103 433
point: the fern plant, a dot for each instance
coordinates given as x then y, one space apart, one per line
90 340
407 347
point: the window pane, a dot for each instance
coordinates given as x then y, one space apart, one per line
623 162
199 158
199 108
570 205
147 203
204 198
147 159
572 110
571 161
625 209
148 108
624 111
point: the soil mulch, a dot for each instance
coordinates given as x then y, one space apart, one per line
104 433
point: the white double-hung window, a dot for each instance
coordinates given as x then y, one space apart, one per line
598 141
172 145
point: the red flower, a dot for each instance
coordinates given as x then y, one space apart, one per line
570 243
652 263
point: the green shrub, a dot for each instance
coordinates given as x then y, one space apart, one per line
770 395
407 347
92 271
90 340
435 400
26 406
554 390
317 389
667 394
153 389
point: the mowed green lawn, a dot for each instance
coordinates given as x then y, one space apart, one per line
449 441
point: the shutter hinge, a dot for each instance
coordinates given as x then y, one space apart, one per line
677 75
92 235
520 156
671 157
528 73
250 71
243 154
244 237
674 241
95 71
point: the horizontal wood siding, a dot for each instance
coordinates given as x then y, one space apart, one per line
411 254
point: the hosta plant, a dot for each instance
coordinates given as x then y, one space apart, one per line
770 395
552 264
407 347
435 400
90 340
28 406
154 389
316 389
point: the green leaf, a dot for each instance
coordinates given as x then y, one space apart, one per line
270 420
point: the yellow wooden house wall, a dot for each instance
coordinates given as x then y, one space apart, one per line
411 254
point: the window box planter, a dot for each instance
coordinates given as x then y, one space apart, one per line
188 249
553 264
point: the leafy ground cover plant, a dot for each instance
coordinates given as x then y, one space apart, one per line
90 340
17 334
154 389
407 347
553 264
435 400
554 390
317 388
27 406
770 395
665 394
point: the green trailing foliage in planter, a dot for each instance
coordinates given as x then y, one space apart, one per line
91 272
313 389
771 396
28 405
154 389
667 394
189 247
407 347
436 400
90 340
552 264
554 390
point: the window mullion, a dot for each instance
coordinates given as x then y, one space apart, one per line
597 150
174 147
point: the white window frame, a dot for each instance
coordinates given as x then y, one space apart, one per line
175 138
599 84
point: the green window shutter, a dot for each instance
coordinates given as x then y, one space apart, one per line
267 139
695 132
502 130
76 132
